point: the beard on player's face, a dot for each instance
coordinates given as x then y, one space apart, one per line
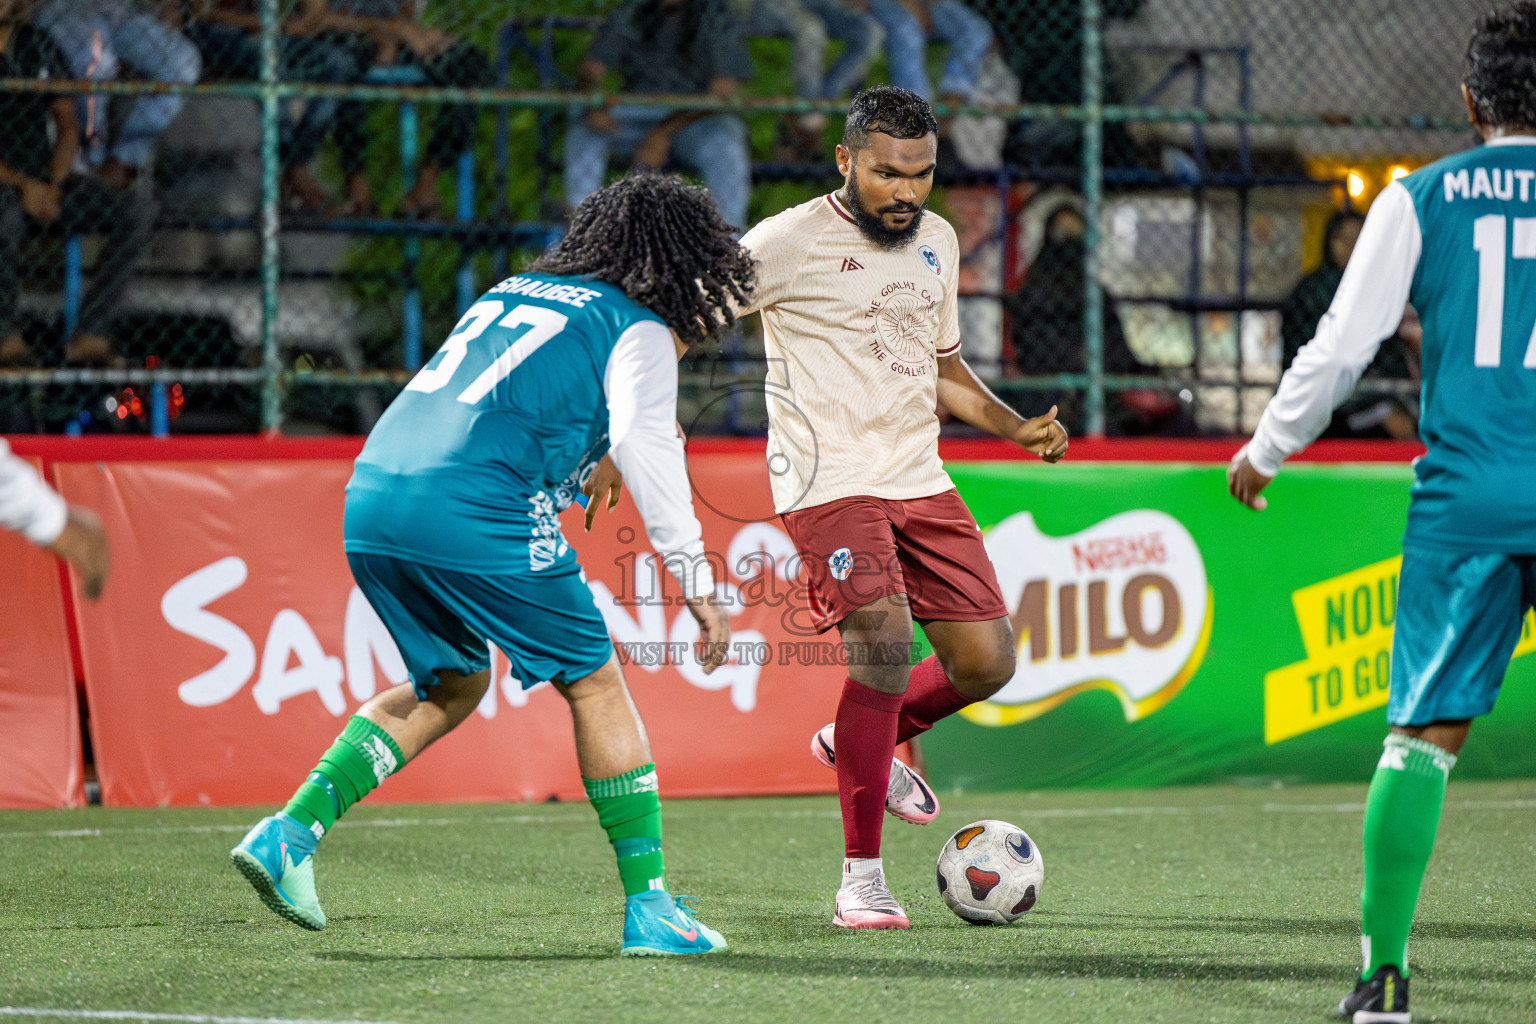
872 222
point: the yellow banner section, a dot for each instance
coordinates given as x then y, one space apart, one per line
1346 628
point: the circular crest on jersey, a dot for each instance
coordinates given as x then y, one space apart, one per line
930 257
840 562
904 328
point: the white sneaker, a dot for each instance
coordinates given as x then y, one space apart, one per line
864 901
907 796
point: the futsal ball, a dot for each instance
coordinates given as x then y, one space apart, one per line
990 872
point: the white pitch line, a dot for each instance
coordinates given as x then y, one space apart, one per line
161 830
534 819
1455 805
1116 812
1341 808
188 1018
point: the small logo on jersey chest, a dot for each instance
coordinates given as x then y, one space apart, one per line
849 263
930 257
841 563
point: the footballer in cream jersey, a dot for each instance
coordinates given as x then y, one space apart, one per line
857 292
851 330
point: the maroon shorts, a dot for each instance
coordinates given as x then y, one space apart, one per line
860 549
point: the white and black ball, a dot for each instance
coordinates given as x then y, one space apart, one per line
990 872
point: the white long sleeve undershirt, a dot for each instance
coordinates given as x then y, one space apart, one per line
27 504
641 386
1366 310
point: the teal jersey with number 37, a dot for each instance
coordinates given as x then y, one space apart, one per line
1475 291
470 466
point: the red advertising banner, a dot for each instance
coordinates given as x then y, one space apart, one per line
231 645
40 759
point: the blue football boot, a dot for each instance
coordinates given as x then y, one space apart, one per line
657 925
278 858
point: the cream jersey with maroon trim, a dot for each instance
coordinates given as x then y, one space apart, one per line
852 332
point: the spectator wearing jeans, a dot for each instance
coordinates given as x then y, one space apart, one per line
809 24
665 46
910 24
37 190
385 33
225 33
95 37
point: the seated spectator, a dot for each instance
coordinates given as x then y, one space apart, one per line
382 34
1365 414
1047 313
665 46
226 34
37 190
808 24
910 24
95 35
1042 43
1309 300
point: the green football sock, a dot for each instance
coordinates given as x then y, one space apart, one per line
363 756
1402 811
629 810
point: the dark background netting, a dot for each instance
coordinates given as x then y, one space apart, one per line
1210 236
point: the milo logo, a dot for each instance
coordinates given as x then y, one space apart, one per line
1122 606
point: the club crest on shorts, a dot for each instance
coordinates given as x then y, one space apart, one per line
930 257
841 563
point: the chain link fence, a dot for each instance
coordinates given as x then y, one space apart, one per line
235 215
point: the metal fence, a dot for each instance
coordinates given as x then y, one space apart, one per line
1139 186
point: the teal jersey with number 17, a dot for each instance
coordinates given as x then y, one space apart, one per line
470 466
1475 292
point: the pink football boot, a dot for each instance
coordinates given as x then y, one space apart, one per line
908 796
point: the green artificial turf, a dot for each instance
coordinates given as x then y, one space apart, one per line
1181 905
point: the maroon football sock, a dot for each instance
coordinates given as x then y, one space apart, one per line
930 696
866 739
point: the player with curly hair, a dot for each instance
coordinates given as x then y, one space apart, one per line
452 534
1457 239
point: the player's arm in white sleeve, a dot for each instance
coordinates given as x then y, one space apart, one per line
33 509
1366 310
27 505
641 386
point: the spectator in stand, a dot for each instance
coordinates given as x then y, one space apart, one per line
37 190
665 46
1365 414
808 24
382 34
1042 43
225 33
95 36
1047 315
910 24
1310 299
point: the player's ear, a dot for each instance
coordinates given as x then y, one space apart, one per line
1466 97
844 160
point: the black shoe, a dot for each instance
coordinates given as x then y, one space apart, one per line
1380 999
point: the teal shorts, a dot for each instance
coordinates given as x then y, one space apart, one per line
1458 620
547 626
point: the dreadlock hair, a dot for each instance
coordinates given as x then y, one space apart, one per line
665 245
1501 66
889 110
